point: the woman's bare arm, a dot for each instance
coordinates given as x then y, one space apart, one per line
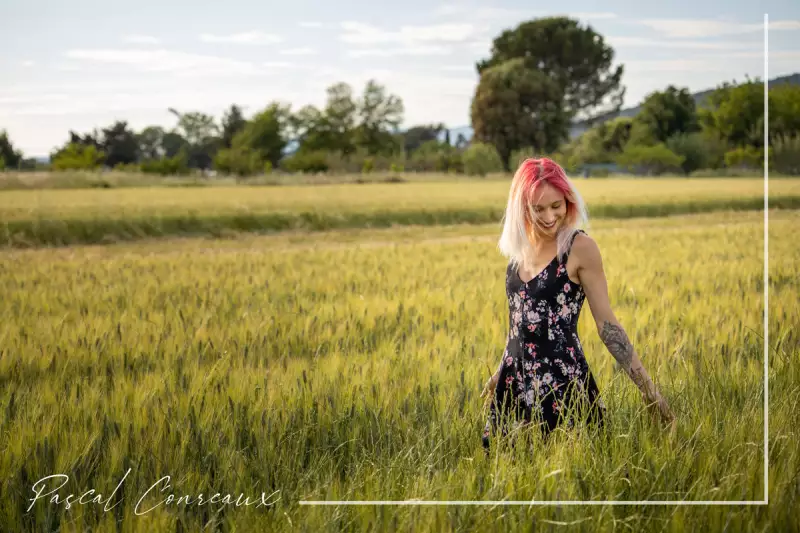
593 280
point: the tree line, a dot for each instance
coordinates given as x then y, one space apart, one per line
540 78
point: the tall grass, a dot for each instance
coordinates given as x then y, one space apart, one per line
352 371
42 218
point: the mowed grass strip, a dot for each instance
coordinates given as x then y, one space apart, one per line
65 217
352 371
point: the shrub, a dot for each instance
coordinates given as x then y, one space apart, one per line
306 161
239 161
693 148
745 157
785 155
78 157
649 159
368 165
481 159
167 166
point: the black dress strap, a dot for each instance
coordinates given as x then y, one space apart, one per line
572 239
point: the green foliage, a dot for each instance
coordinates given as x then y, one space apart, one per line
167 166
241 161
127 167
78 157
233 122
379 115
748 157
481 159
267 167
784 111
120 144
649 160
416 136
668 113
306 161
435 156
785 157
735 113
11 157
694 148
201 134
368 166
515 106
575 58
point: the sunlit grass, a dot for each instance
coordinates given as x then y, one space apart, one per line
64 217
348 365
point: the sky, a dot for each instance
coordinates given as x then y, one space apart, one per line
83 64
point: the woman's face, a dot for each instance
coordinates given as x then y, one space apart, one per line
547 210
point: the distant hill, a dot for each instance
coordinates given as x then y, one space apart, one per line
578 127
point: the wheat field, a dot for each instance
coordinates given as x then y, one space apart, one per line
347 365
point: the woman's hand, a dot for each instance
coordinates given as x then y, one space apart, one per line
659 409
488 389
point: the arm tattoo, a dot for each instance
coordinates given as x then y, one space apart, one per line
617 342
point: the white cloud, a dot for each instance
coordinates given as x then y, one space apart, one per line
284 65
458 68
28 63
484 13
160 60
699 28
430 50
311 24
623 41
359 33
141 39
785 25
673 65
593 15
302 51
251 37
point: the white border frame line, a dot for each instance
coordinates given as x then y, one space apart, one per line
765 501
766 259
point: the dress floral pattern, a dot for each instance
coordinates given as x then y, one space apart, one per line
543 370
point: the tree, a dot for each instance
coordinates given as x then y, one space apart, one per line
669 112
481 159
232 123
261 140
150 142
784 111
655 159
173 143
516 107
575 58
735 113
11 158
76 156
331 129
120 144
90 139
379 115
340 117
202 137
417 135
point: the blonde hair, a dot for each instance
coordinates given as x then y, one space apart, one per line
517 237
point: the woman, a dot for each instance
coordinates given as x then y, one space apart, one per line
543 376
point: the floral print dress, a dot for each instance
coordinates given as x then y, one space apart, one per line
543 371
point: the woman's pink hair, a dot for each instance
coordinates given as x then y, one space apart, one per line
516 240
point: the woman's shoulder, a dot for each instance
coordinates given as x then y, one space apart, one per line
584 245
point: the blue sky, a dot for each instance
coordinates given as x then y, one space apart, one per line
83 64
